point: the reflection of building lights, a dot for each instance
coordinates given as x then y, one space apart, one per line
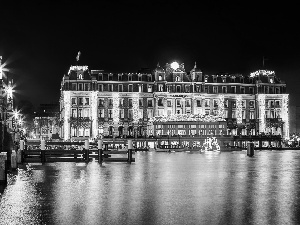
221 106
94 112
116 108
174 65
1 70
135 108
67 109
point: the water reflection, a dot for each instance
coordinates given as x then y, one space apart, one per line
160 188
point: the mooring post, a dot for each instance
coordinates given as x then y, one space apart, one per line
13 160
100 156
43 147
86 147
3 168
20 152
129 151
250 149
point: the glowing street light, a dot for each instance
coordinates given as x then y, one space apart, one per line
174 65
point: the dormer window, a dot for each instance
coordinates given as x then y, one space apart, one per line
80 76
130 77
178 78
242 79
224 79
205 79
214 79
100 76
149 78
110 77
140 77
119 77
159 77
271 80
232 79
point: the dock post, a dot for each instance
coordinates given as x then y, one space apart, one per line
100 156
250 149
129 151
3 168
20 152
43 147
13 160
86 147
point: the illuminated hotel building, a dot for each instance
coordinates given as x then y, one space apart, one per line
169 100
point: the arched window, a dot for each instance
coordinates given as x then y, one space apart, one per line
177 78
80 76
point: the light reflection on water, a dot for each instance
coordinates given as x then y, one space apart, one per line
159 188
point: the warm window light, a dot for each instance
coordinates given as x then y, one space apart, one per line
174 65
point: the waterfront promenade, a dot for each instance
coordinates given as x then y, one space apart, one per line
160 188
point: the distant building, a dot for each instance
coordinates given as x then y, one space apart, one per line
96 104
46 122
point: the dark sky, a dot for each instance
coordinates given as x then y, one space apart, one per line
39 41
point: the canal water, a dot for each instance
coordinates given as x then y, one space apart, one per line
159 188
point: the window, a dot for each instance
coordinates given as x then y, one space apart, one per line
159 77
271 104
187 88
160 102
233 89
243 114
87 101
110 87
140 77
86 113
215 103
149 113
149 78
130 114
233 114
242 90
224 79
74 113
120 87
215 90
110 113
130 102
178 102
73 101
110 77
140 88
149 102
188 103
130 88
130 77
251 90
178 88
224 89
277 90
110 102
100 75
160 87
206 89
121 102
252 104
233 104
252 115
101 102
74 87
277 103
100 87
86 87
198 103
80 132
149 88
80 77
120 77
80 113
80 101
178 78
243 103
169 103
87 132
80 87
121 113
226 103
214 79
141 102
207 103
101 113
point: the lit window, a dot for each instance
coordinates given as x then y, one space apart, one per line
87 101
73 101
80 76
149 88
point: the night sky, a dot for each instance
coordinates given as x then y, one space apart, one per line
39 41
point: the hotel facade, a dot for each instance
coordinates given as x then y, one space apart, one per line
171 101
